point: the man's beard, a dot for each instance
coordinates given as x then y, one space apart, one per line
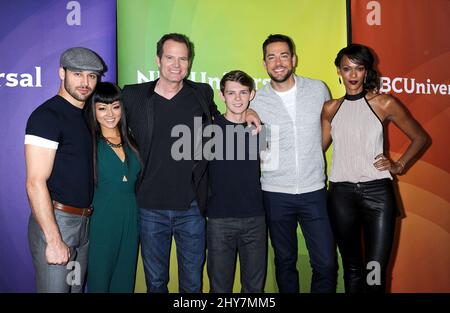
73 92
284 78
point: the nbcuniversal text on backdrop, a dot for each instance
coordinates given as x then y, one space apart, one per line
397 84
22 79
202 77
410 86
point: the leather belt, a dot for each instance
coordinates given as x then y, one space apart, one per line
72 210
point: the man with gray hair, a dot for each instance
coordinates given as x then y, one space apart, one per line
59 181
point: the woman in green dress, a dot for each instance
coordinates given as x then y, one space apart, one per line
114 235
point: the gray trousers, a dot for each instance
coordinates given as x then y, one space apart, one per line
68 278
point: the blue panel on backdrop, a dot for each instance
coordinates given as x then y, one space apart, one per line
32 37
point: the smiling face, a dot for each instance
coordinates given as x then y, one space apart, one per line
279 61
237 97
108 115
174 62
352 75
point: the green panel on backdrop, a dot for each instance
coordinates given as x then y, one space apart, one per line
228 35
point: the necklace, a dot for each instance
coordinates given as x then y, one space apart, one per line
112 145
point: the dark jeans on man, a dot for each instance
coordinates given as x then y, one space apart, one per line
188 229
231 235
284 211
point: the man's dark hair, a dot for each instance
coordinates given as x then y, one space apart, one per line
237 76
278 38
178 38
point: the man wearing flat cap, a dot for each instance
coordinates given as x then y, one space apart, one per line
59 183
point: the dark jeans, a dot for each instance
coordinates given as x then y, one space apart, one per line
284 211
225 238
188 229
363 220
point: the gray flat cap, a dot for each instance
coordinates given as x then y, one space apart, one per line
82 59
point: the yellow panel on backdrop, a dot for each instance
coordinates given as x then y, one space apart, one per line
228 35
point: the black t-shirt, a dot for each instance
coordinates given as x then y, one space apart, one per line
235 174
168 177
60 125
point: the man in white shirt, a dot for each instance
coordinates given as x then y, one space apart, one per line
294 181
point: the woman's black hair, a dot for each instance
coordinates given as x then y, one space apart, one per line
361 55
108 93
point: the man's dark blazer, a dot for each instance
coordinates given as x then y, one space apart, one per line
138 100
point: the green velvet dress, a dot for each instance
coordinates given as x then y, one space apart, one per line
113 237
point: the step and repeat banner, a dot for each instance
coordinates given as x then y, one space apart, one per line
33 34
228 35
410 38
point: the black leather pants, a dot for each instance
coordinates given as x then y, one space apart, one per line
363 216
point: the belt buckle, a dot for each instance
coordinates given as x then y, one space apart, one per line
87 212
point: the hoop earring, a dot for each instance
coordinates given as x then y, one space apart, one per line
365 79
340 83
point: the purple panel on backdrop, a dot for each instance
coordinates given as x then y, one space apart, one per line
31 46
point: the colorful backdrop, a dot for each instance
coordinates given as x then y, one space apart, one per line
228 35
33 34
410 38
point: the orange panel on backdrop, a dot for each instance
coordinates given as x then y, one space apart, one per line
410 39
